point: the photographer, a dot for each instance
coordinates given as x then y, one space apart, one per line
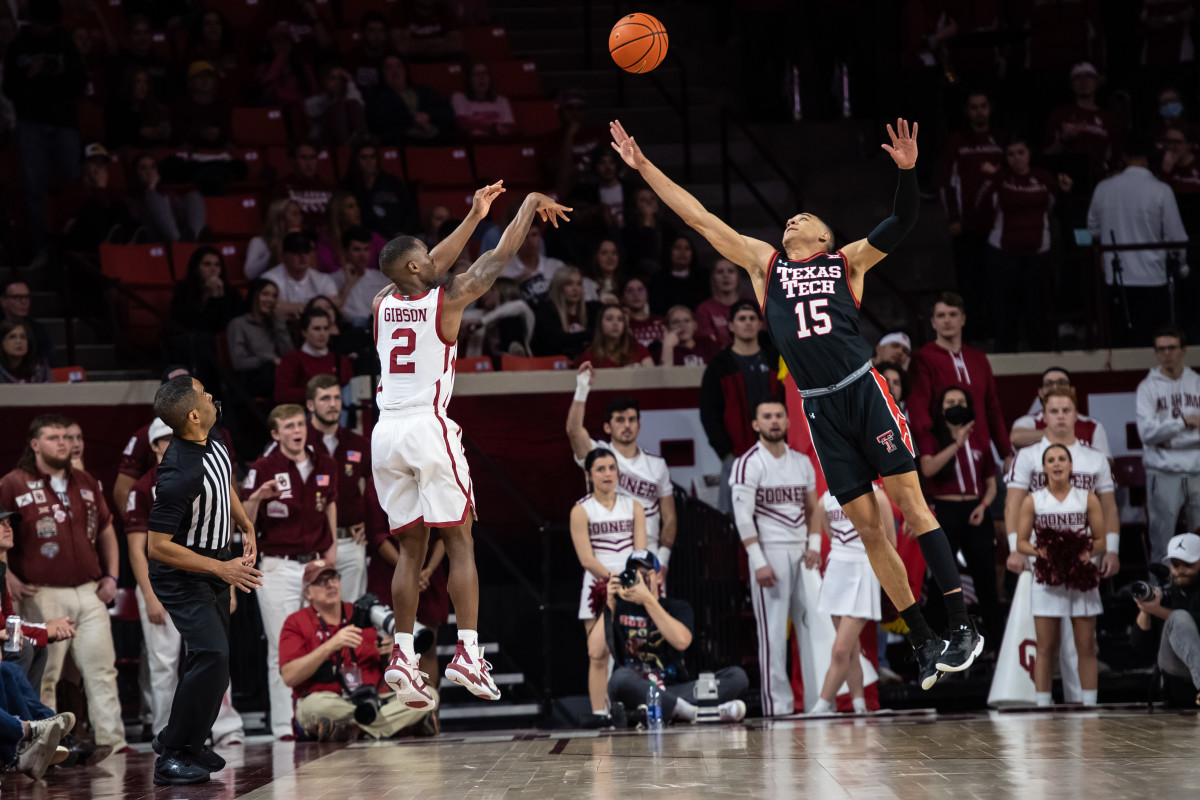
1178 606
647 636
333 666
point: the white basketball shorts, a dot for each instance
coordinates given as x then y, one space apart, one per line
420 470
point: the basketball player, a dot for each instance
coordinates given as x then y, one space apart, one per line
417 456
643 476
774 488
810 294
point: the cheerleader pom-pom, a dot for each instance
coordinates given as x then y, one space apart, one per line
1062 565
598 597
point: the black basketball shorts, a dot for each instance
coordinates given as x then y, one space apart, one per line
859 434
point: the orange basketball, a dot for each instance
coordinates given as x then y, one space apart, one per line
638 43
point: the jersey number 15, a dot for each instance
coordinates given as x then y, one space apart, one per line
822 324
405 347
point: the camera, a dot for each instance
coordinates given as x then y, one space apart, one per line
1143 591
366 704
630 577
370 613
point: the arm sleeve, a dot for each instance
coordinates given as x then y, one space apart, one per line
293 643
1151 429
907 204
241 357
1026 422
1093 216
136 509
712 413
665 487
1104 478
504 108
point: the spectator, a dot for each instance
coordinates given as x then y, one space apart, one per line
66 515
166 216
606 168
1168 422
566 322
305 185
577 243
20 361
680 347
605 277
479 112
312 358
44 79
893 348
335 112
1166 30
298 282
399 112
613 345
302 21
433 220
897 382
202 119
258 340
1176 641
606 527
966 157
946 361
645 327
530 269
266 250
959 475
204 300
15 302
387 208
1083 129
133 116
1134 207
712 315
211 39
1020 198
1179 168
324 658
736 380
344 213
284 76
75 439
291 494
681 282
573 145
500 322
97 212
139 53
646 233
359 279
427 30
365 64
648 637
1030 428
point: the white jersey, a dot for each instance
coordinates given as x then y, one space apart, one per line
1068 514
1089 469
776 489
844 542
610 532
645 478
417 363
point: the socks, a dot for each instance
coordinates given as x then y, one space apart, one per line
601 713
405 640
940 559
470 639
956 610
1044 699
823 706
919 631
685 710
1089 696
860 704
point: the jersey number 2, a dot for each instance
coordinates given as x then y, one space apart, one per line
822 324
406 346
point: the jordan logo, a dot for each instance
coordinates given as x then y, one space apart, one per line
886 439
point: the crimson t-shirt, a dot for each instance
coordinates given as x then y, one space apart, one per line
302 633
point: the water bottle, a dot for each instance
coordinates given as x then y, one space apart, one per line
654 720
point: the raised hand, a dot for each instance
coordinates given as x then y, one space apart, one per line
551 210
625 146
481 203
903 148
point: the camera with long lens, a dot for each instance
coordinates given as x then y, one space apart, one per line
629 577
370 613
1143 591
366 704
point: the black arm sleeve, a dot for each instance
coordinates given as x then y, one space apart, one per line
892 230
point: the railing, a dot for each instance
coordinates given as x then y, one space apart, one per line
1098 311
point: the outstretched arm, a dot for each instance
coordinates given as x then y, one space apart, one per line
446 252
749 254
866 253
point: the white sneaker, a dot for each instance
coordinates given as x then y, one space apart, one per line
732 711
472 673
35 753
408 682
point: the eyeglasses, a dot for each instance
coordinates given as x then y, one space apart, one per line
327 580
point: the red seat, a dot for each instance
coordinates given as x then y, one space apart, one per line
232 252
458 201
69 374
486 42
474 364
279 160
353 11
235 215
528 364
444 77
515 163
259 127
536 117
138 265
517 80
439 166
125 606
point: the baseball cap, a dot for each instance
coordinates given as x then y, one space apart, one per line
158 429
744 305
1083 68
95 150
197 67
297 242
642 558
315 569
13 517
1184 547
897 337
173 371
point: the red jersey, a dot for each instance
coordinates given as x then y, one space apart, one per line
295 523
1099 140
141 499
1020 206
967 472
647 331
636 354
303 632
353 457
963 157
934 368
296 368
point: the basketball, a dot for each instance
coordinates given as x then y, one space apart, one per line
638 43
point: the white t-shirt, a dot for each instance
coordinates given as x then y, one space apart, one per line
1089 469
537 286
357 305
292 291
645 478
777 489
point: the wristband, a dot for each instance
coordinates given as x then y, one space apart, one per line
1012 542
814 542
664 555
110 577
757 559
583 385
1112 542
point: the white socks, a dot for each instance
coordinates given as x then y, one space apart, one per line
685 710
405 640
470 639
1089 696
860 705
823 706
1044 699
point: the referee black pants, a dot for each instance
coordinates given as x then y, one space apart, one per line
199 607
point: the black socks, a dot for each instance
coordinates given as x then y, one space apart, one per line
956 610
919 631
940 560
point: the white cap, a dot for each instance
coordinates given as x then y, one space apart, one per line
1184 547
158 429
1083 68
897 337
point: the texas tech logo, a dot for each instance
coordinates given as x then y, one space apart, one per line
887 440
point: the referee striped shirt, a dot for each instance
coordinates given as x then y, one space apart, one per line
191 501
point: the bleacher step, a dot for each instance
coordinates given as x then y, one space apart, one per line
488 710
499 678
448 649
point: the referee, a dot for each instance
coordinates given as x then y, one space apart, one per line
191 571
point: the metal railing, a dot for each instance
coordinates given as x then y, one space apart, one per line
1099 320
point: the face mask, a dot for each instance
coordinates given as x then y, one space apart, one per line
1172 110
959 415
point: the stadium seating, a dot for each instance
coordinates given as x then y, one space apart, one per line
487 43
439 166
536 117
517 80
444 77
259 127
235 215
473 364
529 364
69 374
515 163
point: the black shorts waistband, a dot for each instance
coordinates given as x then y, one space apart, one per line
837 387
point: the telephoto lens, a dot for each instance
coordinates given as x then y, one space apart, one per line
629 578
1140 590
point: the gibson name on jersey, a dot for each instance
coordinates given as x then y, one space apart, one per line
394 314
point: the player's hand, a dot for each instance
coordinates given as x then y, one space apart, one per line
423 579
765 577
1110 564
359 533
1015 562
586 368
249 547
106 589
903 148
812 559
550 210
481 203
976 517
349 636
155 613
239 575
59 629
18 589
625 146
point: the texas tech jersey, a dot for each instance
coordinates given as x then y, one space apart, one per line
417 363
812 316
777 487
1089 469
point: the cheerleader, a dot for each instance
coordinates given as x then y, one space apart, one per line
850 593
605 529
1063 527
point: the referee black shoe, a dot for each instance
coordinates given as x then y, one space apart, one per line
964 645
204 758
173 768
927 656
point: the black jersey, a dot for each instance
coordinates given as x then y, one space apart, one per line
812 314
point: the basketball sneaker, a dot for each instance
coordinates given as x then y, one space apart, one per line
471 672
732 711
927 656
407 681
965 643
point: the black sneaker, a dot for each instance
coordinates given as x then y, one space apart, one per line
964 644
595 721
206 759
174 769
926 657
